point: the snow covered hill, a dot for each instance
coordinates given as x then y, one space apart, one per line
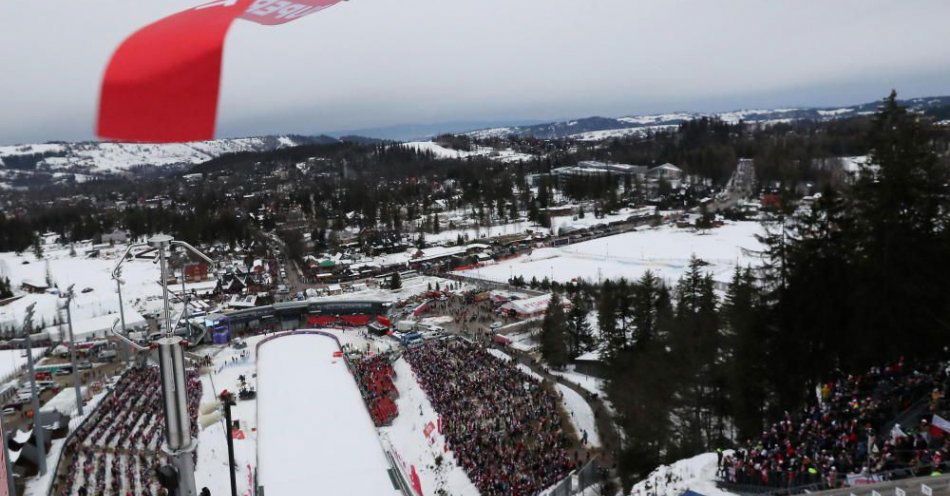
85 160
441 152
597 128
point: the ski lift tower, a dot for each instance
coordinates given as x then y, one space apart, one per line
179 444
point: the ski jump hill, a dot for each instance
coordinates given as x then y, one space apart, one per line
315 434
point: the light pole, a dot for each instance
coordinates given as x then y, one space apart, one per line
34 394
117 275
179 443
72 350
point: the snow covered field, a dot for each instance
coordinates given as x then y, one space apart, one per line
666 251
12 360
114 157
519 227
92 275
410 287
315 433
697 474
442 152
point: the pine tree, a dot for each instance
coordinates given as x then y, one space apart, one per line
554 334
5 290
645 300
607 319
579 336
37 248
395 282
746 341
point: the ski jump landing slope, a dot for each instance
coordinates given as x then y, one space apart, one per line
315 435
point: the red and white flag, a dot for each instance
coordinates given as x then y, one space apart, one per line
939 426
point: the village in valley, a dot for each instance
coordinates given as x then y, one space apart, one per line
372 254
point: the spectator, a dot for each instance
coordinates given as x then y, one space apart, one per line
502 425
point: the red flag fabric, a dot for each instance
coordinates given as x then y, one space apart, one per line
416 482
162 82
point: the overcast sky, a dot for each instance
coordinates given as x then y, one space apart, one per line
373 63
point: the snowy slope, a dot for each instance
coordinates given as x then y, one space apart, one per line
442 152
315 435
596 128
108 157
697 474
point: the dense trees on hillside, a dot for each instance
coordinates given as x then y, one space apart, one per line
851 281
380 187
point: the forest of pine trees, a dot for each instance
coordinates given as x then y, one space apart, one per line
852 281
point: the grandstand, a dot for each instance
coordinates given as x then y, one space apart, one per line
883 425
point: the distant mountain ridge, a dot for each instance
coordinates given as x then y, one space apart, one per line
594 128
29 165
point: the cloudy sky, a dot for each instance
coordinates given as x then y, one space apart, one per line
375 63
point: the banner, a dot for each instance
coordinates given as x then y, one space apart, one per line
862 479
162 83
273 12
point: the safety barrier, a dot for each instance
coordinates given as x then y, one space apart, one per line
890 479
576 481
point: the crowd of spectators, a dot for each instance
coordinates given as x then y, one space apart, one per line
850 433
116 449
375 375
501 424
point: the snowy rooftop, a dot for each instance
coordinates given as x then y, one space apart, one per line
96 326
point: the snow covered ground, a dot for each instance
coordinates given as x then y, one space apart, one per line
212 445
442 152
557 224
582 416
589 383
95 291
410 287
697 474
665 250
12 360
315 433
114 157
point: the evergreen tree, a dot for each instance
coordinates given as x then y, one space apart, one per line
646 296
37 248
579 336
607 320
5 290
395 281
745 333
554 334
